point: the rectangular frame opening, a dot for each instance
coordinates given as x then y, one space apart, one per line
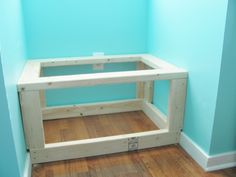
31 87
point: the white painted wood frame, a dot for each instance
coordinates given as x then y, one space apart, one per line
31 89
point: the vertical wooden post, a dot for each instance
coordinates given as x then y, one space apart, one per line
148 91
32 118
140 85
144 89
42 92
176 104
42 98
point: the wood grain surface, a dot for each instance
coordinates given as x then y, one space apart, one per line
96 126
168 161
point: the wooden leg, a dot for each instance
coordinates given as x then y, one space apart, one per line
42 98
32 118
176 104
148 91
140 85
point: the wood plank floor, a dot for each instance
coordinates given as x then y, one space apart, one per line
96 126
168 161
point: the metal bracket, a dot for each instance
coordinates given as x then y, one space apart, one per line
133 144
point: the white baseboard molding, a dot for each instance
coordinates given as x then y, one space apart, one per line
221 161
208 163
28 167
194 150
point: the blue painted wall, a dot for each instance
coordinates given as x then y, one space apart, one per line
171 29
190 34
160 96
224 131
13 59
99 93
81 27
8 161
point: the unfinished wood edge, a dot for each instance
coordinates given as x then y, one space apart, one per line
107 138
144 89
140 90
140 85
158 118
25 125
99 78
159 63
32 119
42 98
51 62
106 145
86 58
31 72
61 112
148 91
42 92
149 63
176 104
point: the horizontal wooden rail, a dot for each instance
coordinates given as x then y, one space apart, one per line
79 110
88 60
159 118
99 78
100 146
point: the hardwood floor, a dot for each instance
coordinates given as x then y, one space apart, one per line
168 161
96 126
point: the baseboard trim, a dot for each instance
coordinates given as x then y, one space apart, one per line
28 167
208 163
194 150
221 161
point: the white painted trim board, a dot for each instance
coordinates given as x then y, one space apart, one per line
28 166
221 161
208 163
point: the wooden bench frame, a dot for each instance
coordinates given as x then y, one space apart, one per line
31 87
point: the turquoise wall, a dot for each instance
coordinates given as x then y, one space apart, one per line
80 27
187 33
13 59
8 160
190 34
160 96
99 93
224 131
